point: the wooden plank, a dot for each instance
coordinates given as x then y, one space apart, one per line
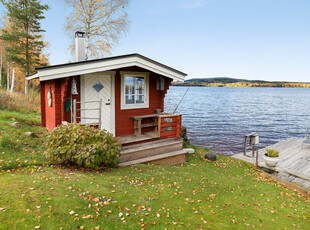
137 138
151 150
148 143
144 116
153 124
154 158
293 165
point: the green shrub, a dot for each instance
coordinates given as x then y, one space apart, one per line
272 153
83 146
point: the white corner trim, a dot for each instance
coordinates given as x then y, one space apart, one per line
146 89
112 106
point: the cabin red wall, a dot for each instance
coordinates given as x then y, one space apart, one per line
66 93
43 109
61 89
123 123
51 117
175 125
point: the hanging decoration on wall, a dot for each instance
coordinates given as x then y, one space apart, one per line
50 97
67 104
74 87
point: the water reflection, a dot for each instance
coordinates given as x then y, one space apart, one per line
220 117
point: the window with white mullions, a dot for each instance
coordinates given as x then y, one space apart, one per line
134 90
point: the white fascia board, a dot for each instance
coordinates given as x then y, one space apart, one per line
159 69
34 76
85 68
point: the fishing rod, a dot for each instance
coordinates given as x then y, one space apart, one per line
181 99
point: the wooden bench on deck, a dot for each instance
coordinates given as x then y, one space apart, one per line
138 125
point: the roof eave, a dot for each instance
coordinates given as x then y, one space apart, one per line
62 71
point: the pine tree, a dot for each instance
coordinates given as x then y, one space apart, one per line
25 35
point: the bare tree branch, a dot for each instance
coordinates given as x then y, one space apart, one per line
103 21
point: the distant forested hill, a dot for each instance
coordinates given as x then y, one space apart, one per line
233 82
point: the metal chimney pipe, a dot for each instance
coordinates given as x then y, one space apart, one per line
80 46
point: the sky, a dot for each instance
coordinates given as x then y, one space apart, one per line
247 39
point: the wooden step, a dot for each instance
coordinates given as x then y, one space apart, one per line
138 151
153 142
170 158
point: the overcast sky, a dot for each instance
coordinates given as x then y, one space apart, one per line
253 39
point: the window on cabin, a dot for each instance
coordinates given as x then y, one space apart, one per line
134 90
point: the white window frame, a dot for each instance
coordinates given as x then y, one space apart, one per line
125 106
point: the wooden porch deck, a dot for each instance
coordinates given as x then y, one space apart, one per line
294 163
137 137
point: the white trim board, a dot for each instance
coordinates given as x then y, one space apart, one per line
63 71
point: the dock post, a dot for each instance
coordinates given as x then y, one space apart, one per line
256 162
245 144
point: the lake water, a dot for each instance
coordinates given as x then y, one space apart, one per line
219 117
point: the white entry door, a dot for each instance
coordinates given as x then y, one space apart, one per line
95 87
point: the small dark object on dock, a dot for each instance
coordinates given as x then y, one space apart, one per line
210 157
267 170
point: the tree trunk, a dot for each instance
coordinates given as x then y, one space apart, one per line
8 77
1 69
13 80
26 84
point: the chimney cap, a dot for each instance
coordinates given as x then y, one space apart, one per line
79 34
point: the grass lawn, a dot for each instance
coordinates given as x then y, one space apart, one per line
16 148
227 194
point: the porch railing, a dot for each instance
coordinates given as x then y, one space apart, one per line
74 110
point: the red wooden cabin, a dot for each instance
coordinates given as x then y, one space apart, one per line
123 95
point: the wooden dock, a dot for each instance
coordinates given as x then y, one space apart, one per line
294 163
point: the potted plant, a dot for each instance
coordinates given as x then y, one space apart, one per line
271 157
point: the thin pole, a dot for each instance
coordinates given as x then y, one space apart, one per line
74 110
181 99
100 104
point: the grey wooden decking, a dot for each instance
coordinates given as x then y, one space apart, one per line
294 163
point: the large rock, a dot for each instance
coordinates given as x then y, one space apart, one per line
210 157
184 134
15 124
31 134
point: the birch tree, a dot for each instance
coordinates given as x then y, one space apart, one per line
8 77
13 80
103 21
